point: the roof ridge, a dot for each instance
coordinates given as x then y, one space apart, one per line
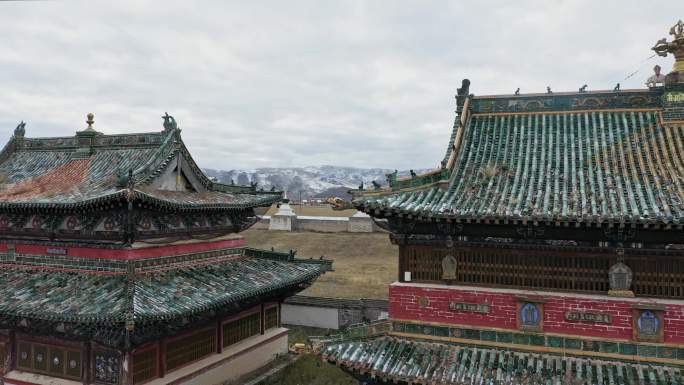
567 93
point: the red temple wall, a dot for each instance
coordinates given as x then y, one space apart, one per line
405 304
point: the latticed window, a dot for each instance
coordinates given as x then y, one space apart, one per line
240 329
190 348
655 276
56 361
144 366
106 366
271 318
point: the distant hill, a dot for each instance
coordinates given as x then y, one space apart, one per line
310 182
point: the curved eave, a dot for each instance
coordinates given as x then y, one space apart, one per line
388 210
78 205
260 199
120 317
304 279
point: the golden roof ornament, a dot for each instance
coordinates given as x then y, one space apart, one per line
90 121
675 47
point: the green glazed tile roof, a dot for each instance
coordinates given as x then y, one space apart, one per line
593 166
84 297
49 172
440 364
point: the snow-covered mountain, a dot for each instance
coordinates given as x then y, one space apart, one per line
310 182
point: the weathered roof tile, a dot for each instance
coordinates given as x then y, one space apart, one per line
47 171
431 363
590 166
93 297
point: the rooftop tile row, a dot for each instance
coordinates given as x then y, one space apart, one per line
440 364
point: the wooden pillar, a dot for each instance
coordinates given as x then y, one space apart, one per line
279 309
162 358
6 346
85 363
402 262
263 319
219 336
127 368
12 351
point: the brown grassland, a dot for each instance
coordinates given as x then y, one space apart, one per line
364 263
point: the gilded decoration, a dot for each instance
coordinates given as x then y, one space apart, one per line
675 48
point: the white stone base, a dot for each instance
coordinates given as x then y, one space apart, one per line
283 222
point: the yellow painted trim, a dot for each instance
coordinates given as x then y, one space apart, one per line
678 66
617 340
476 114
465 115
541 349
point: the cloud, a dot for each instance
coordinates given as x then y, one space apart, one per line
258 84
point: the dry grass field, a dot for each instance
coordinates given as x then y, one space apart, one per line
365 263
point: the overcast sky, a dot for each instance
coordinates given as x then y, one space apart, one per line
296 83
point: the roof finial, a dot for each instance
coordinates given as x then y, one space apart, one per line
90 121
517 92
548 90
169 122
677 30
617 87
20 130
675 47
583 88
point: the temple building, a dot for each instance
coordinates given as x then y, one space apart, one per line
548 248
121 264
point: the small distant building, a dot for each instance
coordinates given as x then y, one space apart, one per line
547 249
332 313
121 265
284 219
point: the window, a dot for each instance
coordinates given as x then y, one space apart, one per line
106 367
271 317
56 361
240 329
190 348
653 275
144 365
